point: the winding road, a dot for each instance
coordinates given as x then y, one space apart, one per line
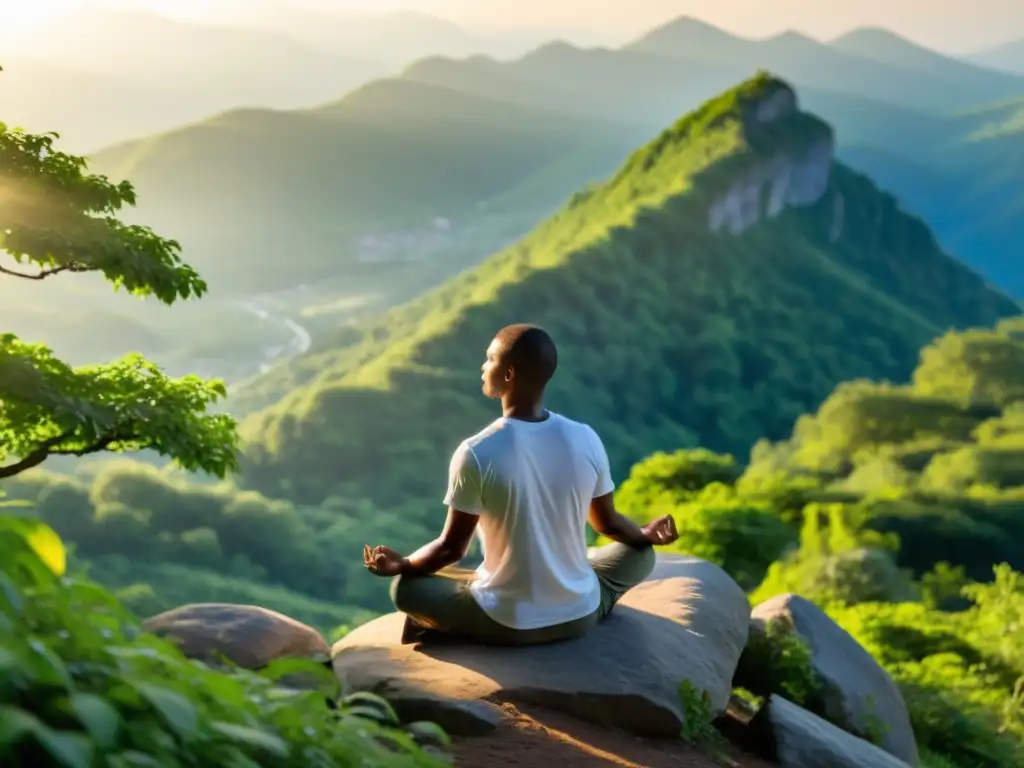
301 339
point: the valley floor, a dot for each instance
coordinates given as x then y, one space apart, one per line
533 736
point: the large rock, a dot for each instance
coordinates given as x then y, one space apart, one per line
246 635
857 694
803 740
689 621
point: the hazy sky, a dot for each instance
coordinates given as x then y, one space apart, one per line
951 25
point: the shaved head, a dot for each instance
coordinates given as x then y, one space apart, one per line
531 351
522 358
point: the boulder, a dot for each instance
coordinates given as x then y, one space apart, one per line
249 636
801 739
857 694
688 621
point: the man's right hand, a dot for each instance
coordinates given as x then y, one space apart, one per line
661 531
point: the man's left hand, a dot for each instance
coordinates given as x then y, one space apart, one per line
382 561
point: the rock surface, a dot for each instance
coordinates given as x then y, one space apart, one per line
246 635
858 694
804 740
688 621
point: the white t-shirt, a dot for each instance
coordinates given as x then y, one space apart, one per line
531 483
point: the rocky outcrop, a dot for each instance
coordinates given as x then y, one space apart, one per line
689 621
856 693
245 635
801 739
796 176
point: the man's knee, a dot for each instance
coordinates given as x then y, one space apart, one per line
638 565
399 592
647 558
622 565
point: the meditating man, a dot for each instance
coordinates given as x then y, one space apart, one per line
527 484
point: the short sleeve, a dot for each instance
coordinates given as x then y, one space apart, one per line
604 483
464 482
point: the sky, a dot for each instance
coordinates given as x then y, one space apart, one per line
950 25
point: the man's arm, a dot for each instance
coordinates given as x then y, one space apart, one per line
603 517
464 508
447 549
608 522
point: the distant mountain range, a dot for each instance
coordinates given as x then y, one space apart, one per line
102 76
468 140
1008 57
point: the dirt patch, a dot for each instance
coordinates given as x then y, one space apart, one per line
532 737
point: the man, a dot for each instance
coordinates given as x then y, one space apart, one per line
527 484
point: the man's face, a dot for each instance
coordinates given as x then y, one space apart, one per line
493 371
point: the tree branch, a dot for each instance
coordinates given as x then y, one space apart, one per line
49 448
35 458
43 274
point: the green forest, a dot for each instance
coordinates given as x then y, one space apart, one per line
828 405
670 335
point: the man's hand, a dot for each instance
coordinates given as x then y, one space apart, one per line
661 531
382 561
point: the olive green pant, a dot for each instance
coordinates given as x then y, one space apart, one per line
443 601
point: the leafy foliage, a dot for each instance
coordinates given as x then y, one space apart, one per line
936 462
742 533
81 685
54 218
888 501
59 218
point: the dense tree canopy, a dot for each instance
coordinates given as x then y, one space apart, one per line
57 218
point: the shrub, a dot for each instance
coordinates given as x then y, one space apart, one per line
81 685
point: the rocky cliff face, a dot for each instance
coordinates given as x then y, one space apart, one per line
795 175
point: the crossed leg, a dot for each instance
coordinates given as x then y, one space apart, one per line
444 603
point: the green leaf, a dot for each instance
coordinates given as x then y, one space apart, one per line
369 705
425 732
15 724
99 717
178 712
73 750
41 539
252 737
282 668
376 714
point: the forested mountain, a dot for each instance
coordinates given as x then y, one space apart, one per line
713 289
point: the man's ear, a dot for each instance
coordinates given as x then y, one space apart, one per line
510 373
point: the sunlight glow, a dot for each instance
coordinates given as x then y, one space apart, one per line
16 15
21 16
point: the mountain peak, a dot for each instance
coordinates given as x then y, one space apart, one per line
874 34
891 47
685 32
752 138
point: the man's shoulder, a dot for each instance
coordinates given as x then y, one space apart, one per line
578 428
474 442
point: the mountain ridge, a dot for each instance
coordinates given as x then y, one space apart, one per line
664 325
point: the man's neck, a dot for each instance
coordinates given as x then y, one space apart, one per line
524 411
